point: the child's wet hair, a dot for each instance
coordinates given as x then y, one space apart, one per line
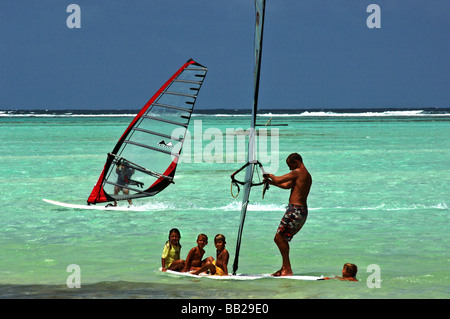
219 237
352 269
176 231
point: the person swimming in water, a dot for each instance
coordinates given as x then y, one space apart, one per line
348 273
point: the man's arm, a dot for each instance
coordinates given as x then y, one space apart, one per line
284 181
286 185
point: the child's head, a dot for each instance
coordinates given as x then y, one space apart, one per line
219 242
174 236
203 239
349 270
219 238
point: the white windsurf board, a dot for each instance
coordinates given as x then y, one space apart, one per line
242 276
93 207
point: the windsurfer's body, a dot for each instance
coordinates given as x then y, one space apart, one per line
123 179
299 182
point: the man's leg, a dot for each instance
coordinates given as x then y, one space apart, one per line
126 192
283 246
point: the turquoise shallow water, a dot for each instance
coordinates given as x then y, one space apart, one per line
380 196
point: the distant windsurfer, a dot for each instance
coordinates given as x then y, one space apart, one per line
124 173
299 182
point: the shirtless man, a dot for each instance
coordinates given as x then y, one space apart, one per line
299 182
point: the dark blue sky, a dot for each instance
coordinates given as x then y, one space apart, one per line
317 53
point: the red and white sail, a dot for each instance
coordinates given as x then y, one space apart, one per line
145 158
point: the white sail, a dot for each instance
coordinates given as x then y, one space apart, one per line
259 26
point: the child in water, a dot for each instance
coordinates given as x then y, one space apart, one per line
348 273
171 253
194 260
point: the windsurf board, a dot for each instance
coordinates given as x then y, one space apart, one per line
242 276
93 207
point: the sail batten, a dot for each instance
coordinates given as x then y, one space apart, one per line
186 81
181 94
164 120
152 142
197 69
158 134
173 107
151 148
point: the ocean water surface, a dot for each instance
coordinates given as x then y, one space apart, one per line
380 196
